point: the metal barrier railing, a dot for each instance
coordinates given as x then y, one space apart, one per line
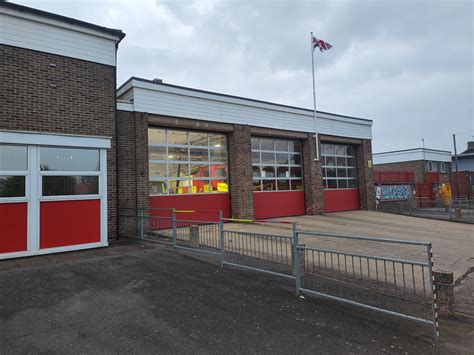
394 286
348 272
456 209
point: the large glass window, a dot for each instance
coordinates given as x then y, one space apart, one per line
339 166
276 164
13 171
187 162
69 171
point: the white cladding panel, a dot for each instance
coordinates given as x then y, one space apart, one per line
25 33
124 106
411 155
202 106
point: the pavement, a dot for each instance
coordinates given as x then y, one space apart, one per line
143 298
453 242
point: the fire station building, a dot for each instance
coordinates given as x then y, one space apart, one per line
74 150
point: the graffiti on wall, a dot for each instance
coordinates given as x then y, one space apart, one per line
395 192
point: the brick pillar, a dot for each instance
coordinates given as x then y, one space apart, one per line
365 175
312 178
132 166
240 172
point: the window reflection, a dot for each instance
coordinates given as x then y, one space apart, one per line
339 166
69 159
192 162
13 158
277 162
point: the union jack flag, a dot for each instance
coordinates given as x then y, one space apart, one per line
322 45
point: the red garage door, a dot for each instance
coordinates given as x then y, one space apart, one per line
277 178
339 178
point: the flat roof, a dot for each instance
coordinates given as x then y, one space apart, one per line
68 20
232 97
413 150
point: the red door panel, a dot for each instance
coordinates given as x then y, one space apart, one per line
341 200
205 205
65 223
13 227
278 204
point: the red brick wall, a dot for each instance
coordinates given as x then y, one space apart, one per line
416 166
49 93
365 175
240 172
312 177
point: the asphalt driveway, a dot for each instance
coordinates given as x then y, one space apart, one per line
142 298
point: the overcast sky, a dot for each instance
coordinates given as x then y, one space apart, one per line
407 65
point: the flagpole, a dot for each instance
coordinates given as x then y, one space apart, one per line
314 100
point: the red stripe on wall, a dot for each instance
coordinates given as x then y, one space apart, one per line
206 206
13 227
64 223
278 204
341 200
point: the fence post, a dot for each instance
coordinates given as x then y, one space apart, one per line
221 238
141 217
296 259
175 232
434 307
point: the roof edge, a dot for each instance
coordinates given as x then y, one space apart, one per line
414 149
68 20
237 97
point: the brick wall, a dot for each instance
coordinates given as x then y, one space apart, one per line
49 93
365 175
240 172
416 166
132 164
312 177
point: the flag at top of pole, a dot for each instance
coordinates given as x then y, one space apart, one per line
323 46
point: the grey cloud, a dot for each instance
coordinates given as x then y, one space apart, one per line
408 65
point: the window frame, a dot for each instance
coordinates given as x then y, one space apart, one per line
346 156
101 174
275 165
190 163
25 173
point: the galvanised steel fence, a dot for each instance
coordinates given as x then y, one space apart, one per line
390 285
456 209
394 277
262 252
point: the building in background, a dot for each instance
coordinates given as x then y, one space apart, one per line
425 171
465 163
73 148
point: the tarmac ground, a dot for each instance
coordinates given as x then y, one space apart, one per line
144 298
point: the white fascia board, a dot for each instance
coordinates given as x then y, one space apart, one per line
56 23
127 86
411 155
124 106
48 139
243 102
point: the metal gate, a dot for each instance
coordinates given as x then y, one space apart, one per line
375 278
394 277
